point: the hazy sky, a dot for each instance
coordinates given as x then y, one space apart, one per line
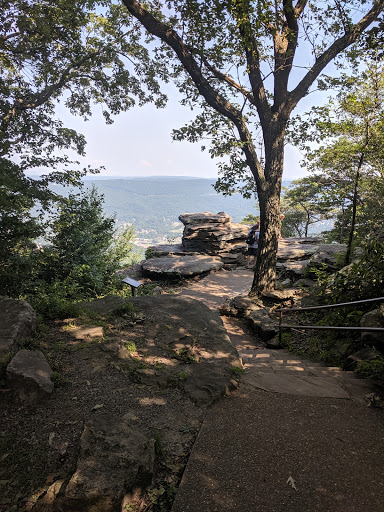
139 144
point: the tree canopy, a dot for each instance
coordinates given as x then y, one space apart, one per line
347 164
235 60
85 54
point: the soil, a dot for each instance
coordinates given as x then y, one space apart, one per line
40 443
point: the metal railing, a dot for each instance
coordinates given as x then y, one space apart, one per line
281 311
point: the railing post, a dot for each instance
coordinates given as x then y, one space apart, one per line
280 322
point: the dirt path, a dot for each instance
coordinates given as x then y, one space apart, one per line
296 437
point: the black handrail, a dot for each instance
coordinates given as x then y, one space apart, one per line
329 327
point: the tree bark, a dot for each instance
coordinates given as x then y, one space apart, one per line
354 210
269 201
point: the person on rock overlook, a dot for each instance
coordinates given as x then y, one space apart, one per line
253 244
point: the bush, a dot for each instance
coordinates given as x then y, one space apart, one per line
372 369
362 279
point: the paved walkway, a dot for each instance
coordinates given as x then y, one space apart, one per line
296 436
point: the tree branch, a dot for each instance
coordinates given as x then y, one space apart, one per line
253 61
326 57
216 100
225 78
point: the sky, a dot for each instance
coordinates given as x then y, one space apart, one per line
139 143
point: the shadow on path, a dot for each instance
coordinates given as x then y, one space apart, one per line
296 436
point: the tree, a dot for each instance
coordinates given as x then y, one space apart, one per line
349 162
225 56
84 246
302 204
78 52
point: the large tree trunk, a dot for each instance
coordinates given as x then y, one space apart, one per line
269 201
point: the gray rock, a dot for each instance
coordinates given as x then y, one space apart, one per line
280 295
304 283
373 318
240 306
180 266
167 250
204 218
295 251
206 385
327 255
115 458
213 238
262 324
364 354
195 337
293 269
232 258
17 323
29 375
314 240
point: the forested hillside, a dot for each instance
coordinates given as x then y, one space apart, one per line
152 205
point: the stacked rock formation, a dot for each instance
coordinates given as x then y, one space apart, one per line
214 234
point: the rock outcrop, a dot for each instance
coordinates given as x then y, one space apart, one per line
374 318
17 323
212 234
30 376
115 458
197 343
207 234
174 267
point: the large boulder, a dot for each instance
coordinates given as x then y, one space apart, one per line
158 251
213 238
105 305
116 457
30 376
18 321
295 251
328 255
263 325
293 269
173 267
204 218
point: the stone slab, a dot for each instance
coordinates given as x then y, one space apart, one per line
205 217
296 385
180 266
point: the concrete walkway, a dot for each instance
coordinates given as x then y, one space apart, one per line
296 436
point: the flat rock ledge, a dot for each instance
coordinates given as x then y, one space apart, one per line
30 376
18 321
174 267
205 217
197 344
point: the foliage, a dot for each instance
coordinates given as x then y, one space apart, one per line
348 164
250 219
81 260
362 279
80 53
371 369
233 60
302 206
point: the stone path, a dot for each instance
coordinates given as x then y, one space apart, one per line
296 436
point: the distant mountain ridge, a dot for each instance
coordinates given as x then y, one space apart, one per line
152 204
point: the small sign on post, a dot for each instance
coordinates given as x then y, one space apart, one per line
132 283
